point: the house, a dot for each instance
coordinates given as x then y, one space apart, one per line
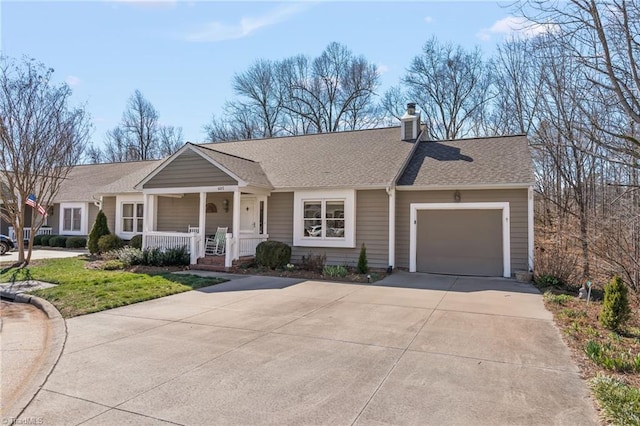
454 207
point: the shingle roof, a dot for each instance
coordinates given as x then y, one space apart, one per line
362 158
247 170
479 161
84 182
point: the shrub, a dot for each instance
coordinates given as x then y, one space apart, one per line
136 242
127 255
112 265
615 307
363 265
335 271
37 240
76 242
273 254
44 240
170 257
99 229
58 241
313 262
109 242
555 265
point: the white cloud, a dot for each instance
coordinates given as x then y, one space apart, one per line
382 68
515 26
428 19
72 80
219 31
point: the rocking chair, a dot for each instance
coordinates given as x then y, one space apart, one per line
216 245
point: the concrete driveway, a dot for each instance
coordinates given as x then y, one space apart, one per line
414 349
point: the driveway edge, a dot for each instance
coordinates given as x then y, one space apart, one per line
56 339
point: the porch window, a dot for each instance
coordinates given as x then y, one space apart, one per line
132 217
72 219
324 219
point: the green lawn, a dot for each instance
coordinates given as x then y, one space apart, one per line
81 291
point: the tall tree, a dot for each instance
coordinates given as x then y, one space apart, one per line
451 85
42 137
140 122
169 140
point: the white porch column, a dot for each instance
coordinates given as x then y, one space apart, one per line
236 223
202 219
149 213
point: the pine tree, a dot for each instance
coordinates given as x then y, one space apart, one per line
100 228
363 266
615 308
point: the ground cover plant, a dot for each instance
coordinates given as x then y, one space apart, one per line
608 354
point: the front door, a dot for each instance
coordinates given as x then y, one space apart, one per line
248 216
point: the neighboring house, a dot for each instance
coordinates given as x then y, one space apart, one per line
457 207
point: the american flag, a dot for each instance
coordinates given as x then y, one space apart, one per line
31 201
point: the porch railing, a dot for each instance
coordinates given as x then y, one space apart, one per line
248 243
164 240
26 233
169 240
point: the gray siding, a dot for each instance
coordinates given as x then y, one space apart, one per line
517 199
109 209
54 219
176 214
93 212
189 169
372 229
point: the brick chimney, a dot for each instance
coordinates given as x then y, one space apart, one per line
410 123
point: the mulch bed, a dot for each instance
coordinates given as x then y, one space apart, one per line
373 275
579 324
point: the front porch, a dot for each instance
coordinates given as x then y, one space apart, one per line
175 219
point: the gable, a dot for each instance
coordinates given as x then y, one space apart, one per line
189 169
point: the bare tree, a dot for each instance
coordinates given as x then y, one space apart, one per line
117 146
451 85
259 85
169 140
140 121
603 36
42 138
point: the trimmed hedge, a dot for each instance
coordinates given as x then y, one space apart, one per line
109 242
58 241
273 254
37 240
76 242
44 240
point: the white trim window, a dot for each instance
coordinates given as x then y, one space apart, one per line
129 216
324 218
73 218
132 217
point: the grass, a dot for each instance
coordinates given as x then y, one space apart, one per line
610 360
620 402
82 291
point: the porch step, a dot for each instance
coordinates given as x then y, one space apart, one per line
212 268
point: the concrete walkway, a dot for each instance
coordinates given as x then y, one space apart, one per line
42 254
413 349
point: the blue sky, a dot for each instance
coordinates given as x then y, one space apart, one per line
182 55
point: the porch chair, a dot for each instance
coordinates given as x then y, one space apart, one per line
216 245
